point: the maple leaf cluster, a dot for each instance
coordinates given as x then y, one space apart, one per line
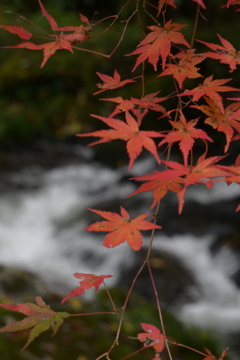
179 177
155 46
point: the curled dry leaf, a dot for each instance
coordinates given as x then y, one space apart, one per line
87 281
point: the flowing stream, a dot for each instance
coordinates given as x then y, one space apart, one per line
42 230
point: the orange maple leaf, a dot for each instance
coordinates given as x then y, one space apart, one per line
160 183
158 43
110 82
185 68
204 172
211 89
121 228
188 57
62 41
185 132
226 53
225 122
152 337
181 72
129 132
87 281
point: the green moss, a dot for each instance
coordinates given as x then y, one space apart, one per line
87 337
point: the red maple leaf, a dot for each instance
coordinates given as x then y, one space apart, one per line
185 132
162 3
87 281
188 57
50 19
232 3
121 228
158 44
160 183
185 68
225 122
210 356
148 102
181 72
211 89
39 317
200 2
17 30
152 337
110 82
234 115
233 172
48 48
129 132
204 172
226 53
179 176
62 41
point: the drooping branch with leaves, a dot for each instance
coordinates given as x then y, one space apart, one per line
165 51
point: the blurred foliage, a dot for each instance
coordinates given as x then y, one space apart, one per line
87 337
53 102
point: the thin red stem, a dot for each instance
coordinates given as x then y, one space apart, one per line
110 298
159 310
123 33
98 313
195 25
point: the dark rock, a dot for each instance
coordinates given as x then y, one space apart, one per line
200 219
23 168
175 284
230 241
21 286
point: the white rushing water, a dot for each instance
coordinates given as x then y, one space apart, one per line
219 302
42 231
30 237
